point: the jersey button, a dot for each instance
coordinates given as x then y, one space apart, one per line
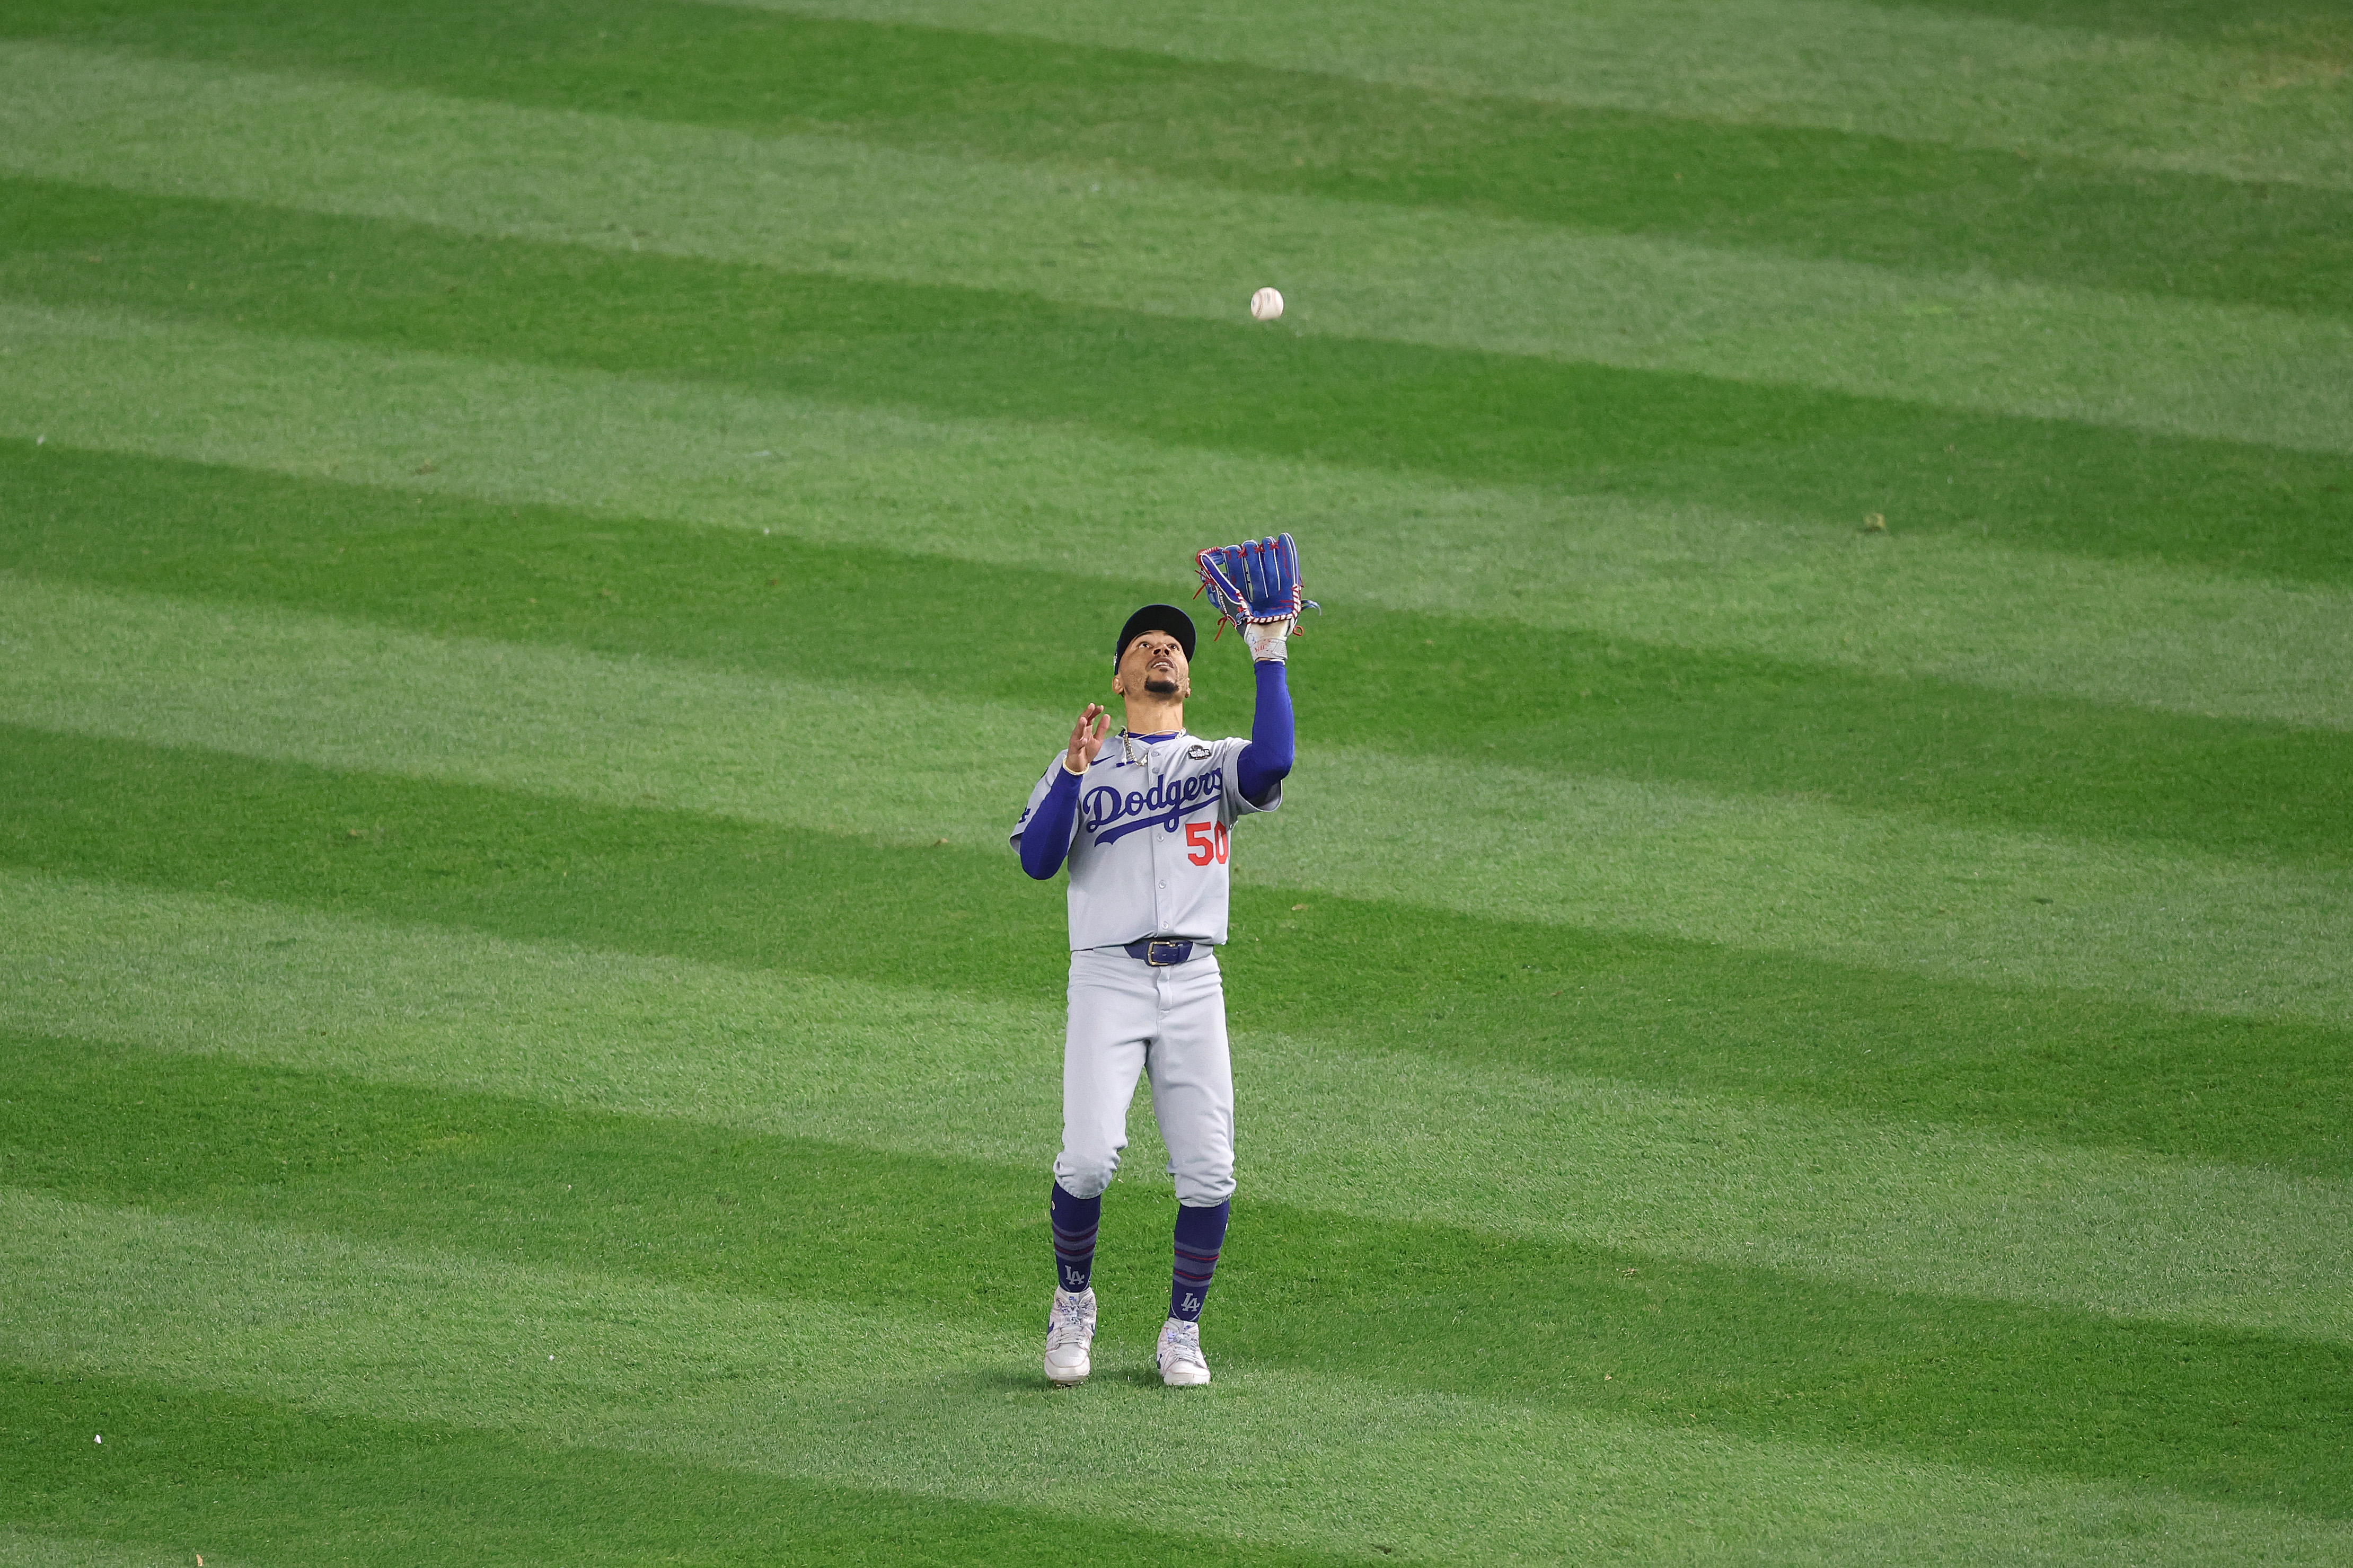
1164 887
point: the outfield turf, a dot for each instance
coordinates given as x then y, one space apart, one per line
542 546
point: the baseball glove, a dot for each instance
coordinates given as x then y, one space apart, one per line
1255 584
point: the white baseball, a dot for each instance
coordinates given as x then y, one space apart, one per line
1266 305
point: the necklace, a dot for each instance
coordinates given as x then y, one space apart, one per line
1128 749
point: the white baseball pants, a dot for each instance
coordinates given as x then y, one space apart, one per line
1127 1017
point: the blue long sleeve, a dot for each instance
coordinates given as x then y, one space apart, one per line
1047 841
1267 760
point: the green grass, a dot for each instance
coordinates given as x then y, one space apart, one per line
2197 84
269 1480
2319 29
1774 872
1355 1121
1949 750
540 548
1960 339
1807 192
1443 1308
1470 990
1490 419
604 1360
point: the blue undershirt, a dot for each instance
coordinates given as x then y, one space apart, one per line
1264 765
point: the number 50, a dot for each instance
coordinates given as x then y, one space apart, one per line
1208 841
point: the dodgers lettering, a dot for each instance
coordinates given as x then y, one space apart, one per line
1102 808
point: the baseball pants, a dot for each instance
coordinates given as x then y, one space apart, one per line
1128 1019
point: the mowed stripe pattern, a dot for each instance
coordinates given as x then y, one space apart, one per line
541 546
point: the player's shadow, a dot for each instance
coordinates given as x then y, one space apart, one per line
1141 1374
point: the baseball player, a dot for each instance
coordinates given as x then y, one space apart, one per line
1143 819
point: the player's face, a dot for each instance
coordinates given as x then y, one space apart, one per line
1155 662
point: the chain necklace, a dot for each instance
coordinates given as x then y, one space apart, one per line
1128 749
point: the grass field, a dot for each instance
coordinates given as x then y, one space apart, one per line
543 545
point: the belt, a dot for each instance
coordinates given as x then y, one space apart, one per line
1163 954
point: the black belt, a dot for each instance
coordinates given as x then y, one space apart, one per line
1163 954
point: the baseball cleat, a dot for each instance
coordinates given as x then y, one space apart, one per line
1069 1331
1181 1363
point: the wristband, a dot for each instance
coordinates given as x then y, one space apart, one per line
1268 641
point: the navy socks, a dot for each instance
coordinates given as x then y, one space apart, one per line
1200 1233
1075 1220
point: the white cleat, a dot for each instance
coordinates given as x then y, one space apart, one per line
1069 1331
1181 1363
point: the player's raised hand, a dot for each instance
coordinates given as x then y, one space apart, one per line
1087 738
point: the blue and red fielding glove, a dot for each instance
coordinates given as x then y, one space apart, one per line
1255 584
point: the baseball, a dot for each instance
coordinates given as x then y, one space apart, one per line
1266 305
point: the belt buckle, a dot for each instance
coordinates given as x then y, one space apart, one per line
1153 949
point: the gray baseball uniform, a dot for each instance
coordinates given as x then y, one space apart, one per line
1148 859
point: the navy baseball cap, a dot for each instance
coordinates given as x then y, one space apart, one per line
1155 618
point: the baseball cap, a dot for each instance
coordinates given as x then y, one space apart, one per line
1155 618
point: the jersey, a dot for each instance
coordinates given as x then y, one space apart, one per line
1149 849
